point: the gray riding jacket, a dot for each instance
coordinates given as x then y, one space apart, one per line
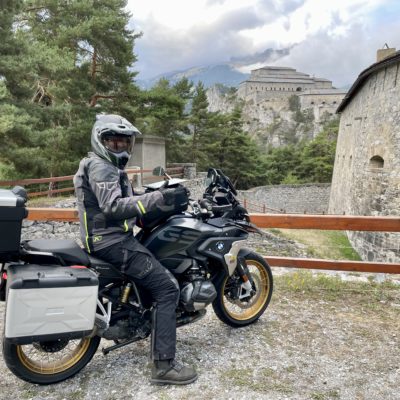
107 205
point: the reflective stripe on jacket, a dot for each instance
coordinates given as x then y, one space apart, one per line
107 205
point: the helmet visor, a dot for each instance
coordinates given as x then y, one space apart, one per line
118 143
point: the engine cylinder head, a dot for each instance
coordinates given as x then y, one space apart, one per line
197 295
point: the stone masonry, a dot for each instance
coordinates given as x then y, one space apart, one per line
270 82
366 178
307 198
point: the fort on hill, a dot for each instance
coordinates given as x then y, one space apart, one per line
270 82
282 80
272 100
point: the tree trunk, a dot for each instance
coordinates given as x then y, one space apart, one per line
93 100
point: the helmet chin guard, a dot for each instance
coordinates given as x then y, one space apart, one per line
113 128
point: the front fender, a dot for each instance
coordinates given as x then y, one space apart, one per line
224 271
223 249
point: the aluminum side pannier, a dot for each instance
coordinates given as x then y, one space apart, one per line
49 302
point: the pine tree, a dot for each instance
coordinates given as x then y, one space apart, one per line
227 147
16 120
318 156
80 56
198 122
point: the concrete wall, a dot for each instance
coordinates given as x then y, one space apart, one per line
370 131
148 152
307 198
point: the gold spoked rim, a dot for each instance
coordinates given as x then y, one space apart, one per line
241 309
39 361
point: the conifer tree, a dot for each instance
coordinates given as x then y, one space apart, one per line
198 121
80 56
227 147
16 119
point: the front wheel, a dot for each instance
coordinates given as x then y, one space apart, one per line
49 361
234 305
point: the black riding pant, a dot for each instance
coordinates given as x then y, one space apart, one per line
140 265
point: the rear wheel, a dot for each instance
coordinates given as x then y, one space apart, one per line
50 361
235 305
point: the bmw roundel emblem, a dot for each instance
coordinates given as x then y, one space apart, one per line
220 246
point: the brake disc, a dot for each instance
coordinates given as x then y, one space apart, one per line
51 346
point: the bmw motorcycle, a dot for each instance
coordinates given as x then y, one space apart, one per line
60 300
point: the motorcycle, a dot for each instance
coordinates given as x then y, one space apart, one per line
60 300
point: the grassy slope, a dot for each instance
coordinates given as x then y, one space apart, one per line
322 244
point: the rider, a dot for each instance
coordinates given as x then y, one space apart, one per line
108 209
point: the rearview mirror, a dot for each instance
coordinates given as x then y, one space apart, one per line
158 171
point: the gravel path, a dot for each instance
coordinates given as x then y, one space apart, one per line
308 345
311 345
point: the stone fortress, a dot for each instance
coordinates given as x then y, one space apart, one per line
268 83
266 108
366 177
263 82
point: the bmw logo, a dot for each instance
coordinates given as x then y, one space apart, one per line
220 246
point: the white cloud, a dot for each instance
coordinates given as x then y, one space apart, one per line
333 39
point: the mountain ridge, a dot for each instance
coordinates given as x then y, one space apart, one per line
228 73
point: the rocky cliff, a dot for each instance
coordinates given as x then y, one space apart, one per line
273 121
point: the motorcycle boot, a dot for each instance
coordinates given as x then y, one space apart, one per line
170 372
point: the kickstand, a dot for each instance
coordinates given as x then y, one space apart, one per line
119 345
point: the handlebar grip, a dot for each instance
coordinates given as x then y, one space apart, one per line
206 204
222 208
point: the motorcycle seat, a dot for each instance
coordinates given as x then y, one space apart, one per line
67 250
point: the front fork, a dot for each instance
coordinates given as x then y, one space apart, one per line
247 286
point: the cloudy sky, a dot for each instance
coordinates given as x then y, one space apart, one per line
331 39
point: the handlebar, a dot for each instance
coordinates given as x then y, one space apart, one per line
204 208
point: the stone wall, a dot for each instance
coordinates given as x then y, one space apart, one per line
307 198
366 178
309 100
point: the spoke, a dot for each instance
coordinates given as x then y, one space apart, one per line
242 309
39 360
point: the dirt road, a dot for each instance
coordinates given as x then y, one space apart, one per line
312 343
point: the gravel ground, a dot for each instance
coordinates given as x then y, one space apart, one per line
307 345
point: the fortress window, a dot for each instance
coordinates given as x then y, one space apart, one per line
334 102
376 162
312 103
298 89
323 102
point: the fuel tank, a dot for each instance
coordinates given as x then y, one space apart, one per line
184 238
178 236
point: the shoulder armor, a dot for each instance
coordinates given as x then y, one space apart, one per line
100 170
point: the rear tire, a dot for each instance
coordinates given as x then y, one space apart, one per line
49 362
242 312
